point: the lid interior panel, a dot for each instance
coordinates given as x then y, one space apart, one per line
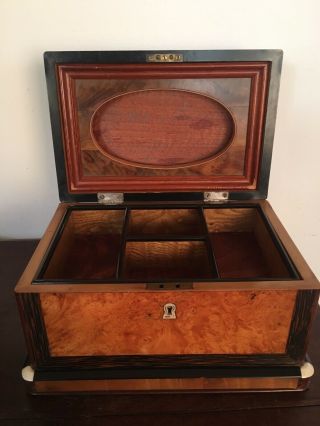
163 127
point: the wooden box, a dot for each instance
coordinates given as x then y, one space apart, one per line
164 268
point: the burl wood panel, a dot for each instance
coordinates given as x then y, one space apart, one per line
160 260
237 322
165 221
241 87
162 128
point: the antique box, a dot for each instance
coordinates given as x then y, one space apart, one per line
164 268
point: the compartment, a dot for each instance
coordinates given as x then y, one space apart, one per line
88 247
243 245
166 244
163 260
165 221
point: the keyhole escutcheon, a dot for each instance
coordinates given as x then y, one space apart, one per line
169 311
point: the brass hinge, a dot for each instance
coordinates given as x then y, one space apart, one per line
114 198
165 57
215 197
110 198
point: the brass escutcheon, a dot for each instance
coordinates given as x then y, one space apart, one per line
165 57
169 310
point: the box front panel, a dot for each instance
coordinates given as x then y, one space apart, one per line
101 324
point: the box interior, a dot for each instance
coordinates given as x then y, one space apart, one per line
131 244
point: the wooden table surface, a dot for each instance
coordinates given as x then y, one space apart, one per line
18 408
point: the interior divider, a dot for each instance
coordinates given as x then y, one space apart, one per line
211 255
123 243
166 237
203 236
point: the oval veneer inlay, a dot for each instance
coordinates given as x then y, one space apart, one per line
162 128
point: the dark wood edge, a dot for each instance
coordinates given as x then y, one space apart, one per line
124 239
303 384
139 56
167 386
34 329
166 196
305 309
168 373
210 251
270 123
179 361
51 59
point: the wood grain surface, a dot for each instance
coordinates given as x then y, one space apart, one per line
241 87
168 385
89 246
94 242
207 323
162 128
242 244
308 280
165 221
97 222
163 260
238 255
230 219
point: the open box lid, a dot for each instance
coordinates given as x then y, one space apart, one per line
169 121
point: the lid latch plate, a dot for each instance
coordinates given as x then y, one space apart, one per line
215 197
110 198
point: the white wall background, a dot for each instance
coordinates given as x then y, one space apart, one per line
28 189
